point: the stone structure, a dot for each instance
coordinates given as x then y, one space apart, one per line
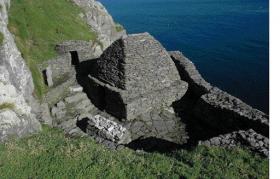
134 91
219 113
83 49
216 108
249 138
139 85
107 129
134 75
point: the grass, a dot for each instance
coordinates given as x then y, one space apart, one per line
7 106
38 25
119 27
1 38
50 154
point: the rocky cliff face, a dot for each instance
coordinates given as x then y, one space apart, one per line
16 85
101 22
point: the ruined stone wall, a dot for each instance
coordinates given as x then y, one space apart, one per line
60 67
216 108
85 49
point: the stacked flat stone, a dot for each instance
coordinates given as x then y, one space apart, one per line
249 139
136 74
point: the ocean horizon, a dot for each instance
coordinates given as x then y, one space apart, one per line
228 40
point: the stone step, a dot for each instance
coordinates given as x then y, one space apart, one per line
76 98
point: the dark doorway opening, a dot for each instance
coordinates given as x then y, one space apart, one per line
82 124
74 58
45 77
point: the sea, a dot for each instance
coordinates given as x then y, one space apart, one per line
228 40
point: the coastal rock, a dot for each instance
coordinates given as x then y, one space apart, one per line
11 59
17 104
101 22
16 118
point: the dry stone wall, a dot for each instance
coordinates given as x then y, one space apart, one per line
216 107
134 75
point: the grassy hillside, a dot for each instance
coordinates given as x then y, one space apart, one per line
52 155
39 25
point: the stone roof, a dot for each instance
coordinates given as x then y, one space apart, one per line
137 63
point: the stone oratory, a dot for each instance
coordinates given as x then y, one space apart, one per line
135 75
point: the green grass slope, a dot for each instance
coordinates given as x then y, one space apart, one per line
52 155
38 25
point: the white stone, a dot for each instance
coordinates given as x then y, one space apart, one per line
75 89
108 128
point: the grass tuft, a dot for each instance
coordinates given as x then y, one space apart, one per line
119 27
52 155
1 38
38 25
7 106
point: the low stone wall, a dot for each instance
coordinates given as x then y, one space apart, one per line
222 111
119 103
216 108
86 49
60 67
249 139
190 74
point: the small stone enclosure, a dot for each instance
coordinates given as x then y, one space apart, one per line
139 87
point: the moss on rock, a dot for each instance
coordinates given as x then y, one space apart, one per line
1 38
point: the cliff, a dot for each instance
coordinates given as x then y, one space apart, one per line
16 86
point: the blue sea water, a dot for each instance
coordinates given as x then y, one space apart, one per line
228 40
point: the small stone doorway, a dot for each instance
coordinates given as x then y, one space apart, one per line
74 58
45 77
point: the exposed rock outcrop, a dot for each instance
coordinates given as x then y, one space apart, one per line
101 22
16 86
11 58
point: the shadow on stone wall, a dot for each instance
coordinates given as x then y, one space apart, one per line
197 129
95 93
153 144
